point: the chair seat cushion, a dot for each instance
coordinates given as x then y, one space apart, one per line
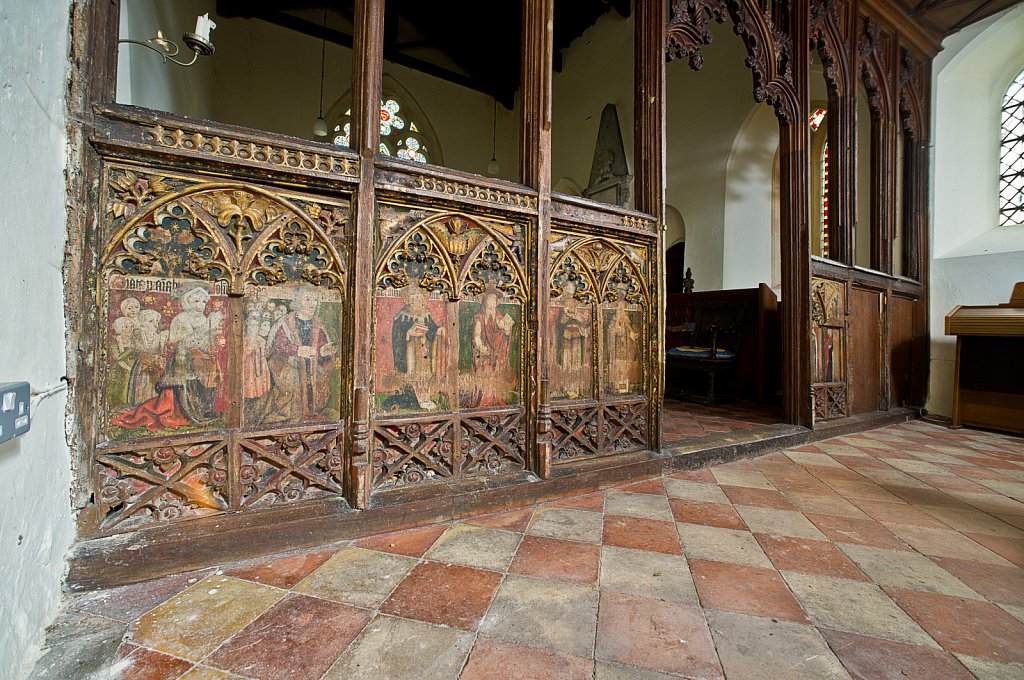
691 352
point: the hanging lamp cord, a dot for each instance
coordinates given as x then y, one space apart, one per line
323 61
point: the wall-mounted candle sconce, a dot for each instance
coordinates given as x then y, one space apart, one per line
198 42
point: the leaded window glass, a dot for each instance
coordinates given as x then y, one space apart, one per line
1011 156
824 201
399 135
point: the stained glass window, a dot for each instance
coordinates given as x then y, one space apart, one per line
1011 155
399 136
816 118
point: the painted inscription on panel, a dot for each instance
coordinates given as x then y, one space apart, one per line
291 368
167 355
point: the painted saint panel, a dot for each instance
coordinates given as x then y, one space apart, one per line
413 345
622 348
291 368
167 356
570 325
489 328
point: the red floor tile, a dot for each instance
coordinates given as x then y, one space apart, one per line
283 572
964 626
445 594
897 513
701 475
1008 548
651 486
642 534
806 556
1003 585
145 664
662 636
593 502
557 560
710 514
297 639
512 520
499 660
868 658
412 543
745 589
762 498
859 531
953 483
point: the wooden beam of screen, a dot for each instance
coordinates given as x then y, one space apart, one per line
535 171
367 62
649 164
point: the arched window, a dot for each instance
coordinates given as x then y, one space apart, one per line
824 200
1011 155
399 135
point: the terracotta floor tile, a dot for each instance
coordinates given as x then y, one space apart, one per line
900 513
128 603
806 556
1011 549
607 670
746 589
499 660
945 543
400 649
853 530
1000 584
642 534
762 498
283 572
412 543
511 520
195 622
661 636
205 673
445 594
709 514
965 626
299 638
557 560
145 664
868 658
593 502
700 475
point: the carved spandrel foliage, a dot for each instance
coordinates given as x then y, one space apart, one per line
418 259
285 468
411 453
131 190
294 251
575 432
492 444
241 213
161 484
688 31
571 278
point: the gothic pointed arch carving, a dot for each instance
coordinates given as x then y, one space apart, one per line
829 38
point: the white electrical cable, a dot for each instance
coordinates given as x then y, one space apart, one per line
37 397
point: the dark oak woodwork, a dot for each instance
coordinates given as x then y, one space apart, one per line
865 350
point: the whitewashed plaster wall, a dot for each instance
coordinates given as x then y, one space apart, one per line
975 262
35 511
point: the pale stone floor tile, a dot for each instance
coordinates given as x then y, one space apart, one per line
1014 611
1012 489
854 607
544 614
917 466
722 545
571 525
811 458
647 574
838 448
990 502
359 577
936 457
638 505
204 673
825 504
472 546
755 648
974 522
400 649
986 669
778 522
695 491
893 478
734 477
195 622
606 670
903 569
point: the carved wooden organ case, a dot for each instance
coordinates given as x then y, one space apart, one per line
222 304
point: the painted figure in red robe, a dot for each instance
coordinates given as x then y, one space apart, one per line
301 354
492 343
